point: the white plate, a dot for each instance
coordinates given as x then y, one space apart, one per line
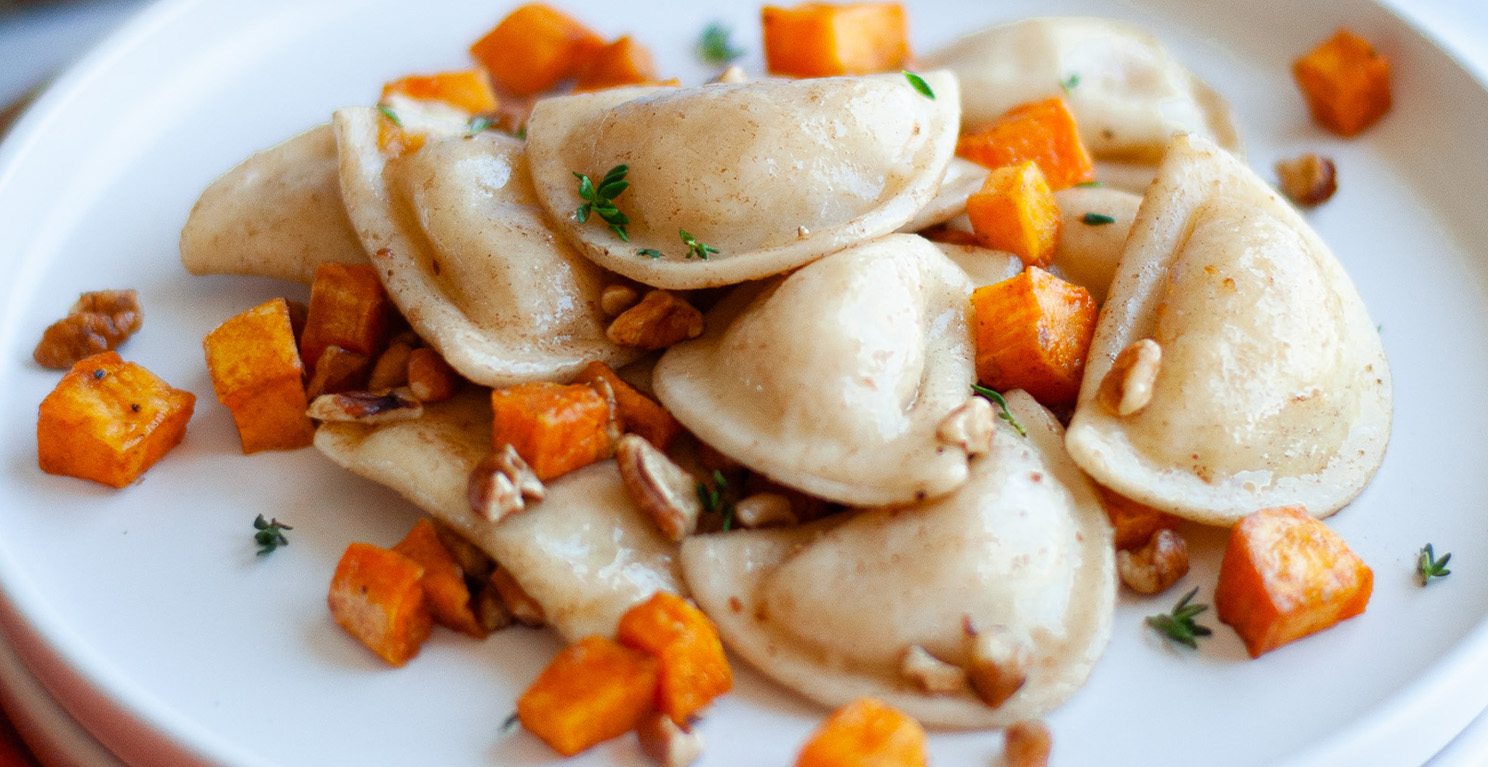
147 614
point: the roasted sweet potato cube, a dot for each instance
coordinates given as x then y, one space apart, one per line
865 733
256 372
338 370
468 90
430 378
693 668
444 580
348 308
1033 332
1286 575
593 690
639 414
1016 212
534 48
1042 131
556 428
822 39
1134 522
1346 83
109 420
623 62
378 596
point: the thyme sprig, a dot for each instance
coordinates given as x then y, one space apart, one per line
388 112
1069 83
997 398
600 199
1428 566
695 249
713 46
1097 219
919 84
478 124
1179 624
270 535
715 499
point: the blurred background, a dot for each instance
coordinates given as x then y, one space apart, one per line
40 37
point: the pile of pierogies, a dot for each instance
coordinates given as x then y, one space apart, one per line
843 342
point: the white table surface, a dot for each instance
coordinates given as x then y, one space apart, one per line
37 42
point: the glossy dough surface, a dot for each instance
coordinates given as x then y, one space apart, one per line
827 609
278 214
834 379
1130 96
1273 387
585 553
774 174
468 256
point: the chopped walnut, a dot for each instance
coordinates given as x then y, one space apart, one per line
969 427
658 321
667 744
391 369
764 510
661 488
1128 385
931 674
523 607
1308 180
490 612
1027 744
615 426
501 484
617 298
366 407
997 663
430 378
1156 566
98 322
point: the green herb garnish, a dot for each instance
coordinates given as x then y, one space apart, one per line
714 499
388 112
1069 83
1428 566
713 46
652 252
1089 184
477 124
919 84
600 200
1097 219
1179 625
270 535
997 398
695 248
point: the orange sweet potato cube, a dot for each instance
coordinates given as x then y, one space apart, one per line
1033 332
443 581
1042 131
638 413
256 372
378 596
865 733
109 420
468 90
595 689
623 62
534 48
1016 212
556 428
1286 575
348 308
1346 83
1134 522
823 39
693 668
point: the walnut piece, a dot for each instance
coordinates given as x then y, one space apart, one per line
1308 180
731 75
931 674
501 484
764 510
969 427
1027 744
997 663
1156 566
1127 387
667 744
661 488
617 298
490 612
98 322
523 607
658 321
366 407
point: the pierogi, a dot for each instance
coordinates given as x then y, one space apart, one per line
773 174
1273 388
828 609
585 553
833 380
468 256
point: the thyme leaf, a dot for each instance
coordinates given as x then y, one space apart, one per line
1097 219
919 84
1428 566
477 124
713 46
270 535
599 199
695 249
997 399
388 112
715 499
1091 184
652 252
1069 83
1179 624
